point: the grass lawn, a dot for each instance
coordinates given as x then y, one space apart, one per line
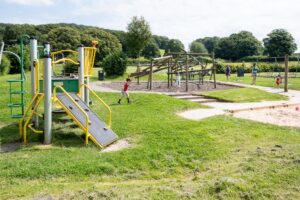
294 83
244 95
170 158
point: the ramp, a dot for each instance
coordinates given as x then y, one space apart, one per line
100 134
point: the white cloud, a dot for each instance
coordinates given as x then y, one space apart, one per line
182 19
32 2
188 20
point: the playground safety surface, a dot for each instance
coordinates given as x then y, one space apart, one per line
163 86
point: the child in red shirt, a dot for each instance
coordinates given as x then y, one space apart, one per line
124 91
278 80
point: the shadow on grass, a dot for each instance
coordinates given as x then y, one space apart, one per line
65 133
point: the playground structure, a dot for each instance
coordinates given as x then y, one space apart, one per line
185 64
71 93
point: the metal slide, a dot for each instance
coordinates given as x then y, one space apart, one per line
99 132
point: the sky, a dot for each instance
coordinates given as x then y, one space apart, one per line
186 20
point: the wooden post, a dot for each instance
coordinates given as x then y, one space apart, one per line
286 73
138 69
186 73
150 74
169 72
214 70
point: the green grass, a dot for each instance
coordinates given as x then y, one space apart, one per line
170 158
244 95
294 83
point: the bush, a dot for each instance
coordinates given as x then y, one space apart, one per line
4 66
115 64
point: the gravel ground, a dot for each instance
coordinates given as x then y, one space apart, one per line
163 87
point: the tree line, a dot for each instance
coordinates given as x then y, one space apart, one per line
244 44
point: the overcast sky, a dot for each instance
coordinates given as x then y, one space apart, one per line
182 19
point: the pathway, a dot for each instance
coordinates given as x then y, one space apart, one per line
225 107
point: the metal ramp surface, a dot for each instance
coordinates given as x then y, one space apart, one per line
99 131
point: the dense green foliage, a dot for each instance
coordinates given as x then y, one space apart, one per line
138 35
151 50
4 66
197 47
115 64
279 43
175 45
210 43
108 43
237 46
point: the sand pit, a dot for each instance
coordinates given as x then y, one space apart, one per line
163 86
284 116
117 146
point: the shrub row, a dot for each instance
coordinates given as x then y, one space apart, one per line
263 67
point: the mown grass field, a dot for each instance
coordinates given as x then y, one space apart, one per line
244 95
170 157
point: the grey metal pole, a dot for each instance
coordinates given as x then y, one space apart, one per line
81 68
214 70
186 73
33 59
47 99
1 51
286 73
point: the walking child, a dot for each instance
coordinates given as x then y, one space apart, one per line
278 81
124 91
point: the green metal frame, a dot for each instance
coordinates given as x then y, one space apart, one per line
22 79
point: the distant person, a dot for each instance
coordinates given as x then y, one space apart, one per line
278 81
254 73
227 72
124 91
178 81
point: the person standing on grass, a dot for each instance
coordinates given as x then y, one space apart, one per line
254 73
124 91
227 72
278 81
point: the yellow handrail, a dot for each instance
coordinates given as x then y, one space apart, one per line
70 114
64 51
100 100
65 59
30 116
26 111
37 71
34 130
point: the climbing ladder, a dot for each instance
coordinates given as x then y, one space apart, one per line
21 100
18 102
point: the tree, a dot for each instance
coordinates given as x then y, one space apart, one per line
175 45
210 43
64 38
138 35
151 50
238 45
161 41
115 64
279 43
197 47
107 42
